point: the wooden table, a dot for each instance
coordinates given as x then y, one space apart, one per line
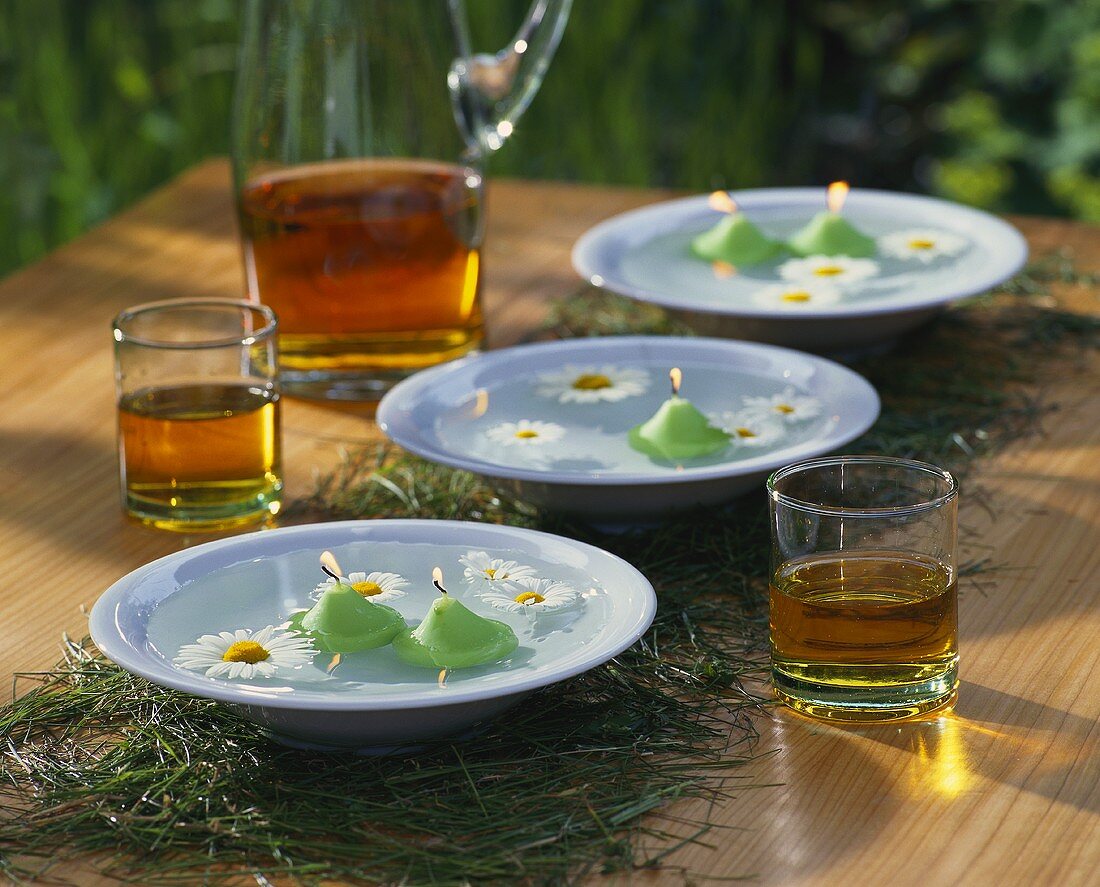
1004 790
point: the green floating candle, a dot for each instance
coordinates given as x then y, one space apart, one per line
343 621
677 430
830 234
734 240
453 636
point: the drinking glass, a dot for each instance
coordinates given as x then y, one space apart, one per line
198 413
360 133
863 602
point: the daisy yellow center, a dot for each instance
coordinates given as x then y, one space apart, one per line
799 296
921 243
245 651
529 597
367 589
745 432
591 382
784 408
491 572
828 271
526 434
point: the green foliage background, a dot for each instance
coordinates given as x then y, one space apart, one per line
990 102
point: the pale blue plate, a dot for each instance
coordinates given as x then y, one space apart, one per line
372 699
645 254
449 414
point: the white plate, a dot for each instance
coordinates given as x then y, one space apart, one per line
372 699
645 254
448 415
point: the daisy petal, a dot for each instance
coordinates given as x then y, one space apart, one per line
835 270
278 650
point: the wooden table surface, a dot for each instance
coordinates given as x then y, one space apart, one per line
1004 790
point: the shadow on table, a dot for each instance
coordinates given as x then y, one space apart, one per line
839 791
996 736
1039 748
39 475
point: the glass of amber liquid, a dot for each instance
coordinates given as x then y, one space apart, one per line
863 596
198 413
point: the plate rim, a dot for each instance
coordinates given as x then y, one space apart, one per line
107 633
584 253
393 416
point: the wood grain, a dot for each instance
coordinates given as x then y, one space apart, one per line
1006 789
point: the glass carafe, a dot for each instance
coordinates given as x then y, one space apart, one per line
360 131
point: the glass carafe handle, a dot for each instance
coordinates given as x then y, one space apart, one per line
490 92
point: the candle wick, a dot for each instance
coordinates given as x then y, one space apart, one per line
325 569
442 590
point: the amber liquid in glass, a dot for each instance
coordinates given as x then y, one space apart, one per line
200 456
370 265
854 635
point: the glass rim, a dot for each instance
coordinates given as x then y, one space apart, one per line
943 474
271 323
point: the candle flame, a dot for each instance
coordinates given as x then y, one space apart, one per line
722 270
481 404
442 679
437 579
676 377
722 202
836 195
333 663
328 559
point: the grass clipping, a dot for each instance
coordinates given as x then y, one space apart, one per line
156 786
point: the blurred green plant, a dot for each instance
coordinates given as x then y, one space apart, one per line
992 104
996 104
99 102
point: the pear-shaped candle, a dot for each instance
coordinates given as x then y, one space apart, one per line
829 233
677 430
453 636
344 621
734 240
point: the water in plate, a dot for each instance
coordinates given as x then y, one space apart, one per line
594 438
253 594
665 264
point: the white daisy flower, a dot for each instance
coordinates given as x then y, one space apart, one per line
924 244
525 433
485 573
533 597
788 406
837 270
378 587
592 384
797 295
246 654
750 428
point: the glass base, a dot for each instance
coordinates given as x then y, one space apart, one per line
362 368
341 386
214 515
866 703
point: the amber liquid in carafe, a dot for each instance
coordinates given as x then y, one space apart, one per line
369 264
